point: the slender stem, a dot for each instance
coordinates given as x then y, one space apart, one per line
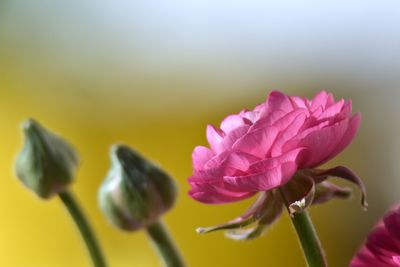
164 244
312 249
309 240
83 225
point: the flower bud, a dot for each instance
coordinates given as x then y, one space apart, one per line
135 192
47 163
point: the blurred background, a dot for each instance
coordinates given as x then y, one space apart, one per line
153 74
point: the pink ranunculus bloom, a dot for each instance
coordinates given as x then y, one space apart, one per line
382 248
278 143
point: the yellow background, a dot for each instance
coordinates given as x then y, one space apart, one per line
153 76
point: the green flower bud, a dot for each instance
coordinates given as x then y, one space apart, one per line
135 192
47 163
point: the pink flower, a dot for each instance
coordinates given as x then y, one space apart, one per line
263 149
382 248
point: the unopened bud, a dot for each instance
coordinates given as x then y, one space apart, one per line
135 192
47 163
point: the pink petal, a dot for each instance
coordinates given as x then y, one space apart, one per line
252 115
348 136
231 122
396 260
330 100
320 99
381 243
271 119
217 160
365 258
231 159
257 142
392 224
279 101
307 129
214 197
226 163
320 142
382 247
231 138
299 102
345 112
317 112
215 193
260 107
221 141
281 120
269 163
264 181
332 110
286 134
314 122
214 136
200 156
284 122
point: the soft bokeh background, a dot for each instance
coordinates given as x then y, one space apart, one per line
152 74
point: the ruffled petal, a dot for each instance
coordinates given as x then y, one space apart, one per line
227 163
365 258
221 141
382 248
214 137
320 142
213 192
252 115
231 122
392 224
266 164
321 99
231 138
288 133
299 102
279 101
345 113
317 112
348 136
381 243
279 119
330 100
332 111
200 156
257 142
264 181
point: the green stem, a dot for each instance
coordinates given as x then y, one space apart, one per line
83 225
312 249
164 244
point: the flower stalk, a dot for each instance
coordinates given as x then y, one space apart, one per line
310 244
165 246
83 225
